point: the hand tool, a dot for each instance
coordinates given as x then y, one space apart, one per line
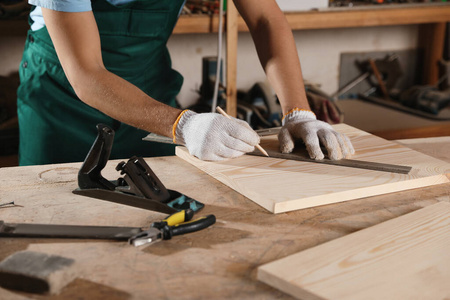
6 204
426 98
173 225
140 187
153 137
350 85
379 78
304 156
35 272
176 224
388 69
223 113
342 162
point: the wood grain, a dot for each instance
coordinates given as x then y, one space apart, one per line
218 262
404 258
284 185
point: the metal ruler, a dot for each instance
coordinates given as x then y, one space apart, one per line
152 137
291 156
342 163
67 231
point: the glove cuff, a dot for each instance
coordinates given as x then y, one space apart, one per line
177 128
298 113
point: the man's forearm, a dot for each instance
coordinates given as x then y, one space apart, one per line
77 43
125 102
278 55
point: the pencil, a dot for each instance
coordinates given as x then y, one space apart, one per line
223 113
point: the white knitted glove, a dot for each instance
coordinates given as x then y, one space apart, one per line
302 124
211 136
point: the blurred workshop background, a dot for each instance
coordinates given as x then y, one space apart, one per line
381 66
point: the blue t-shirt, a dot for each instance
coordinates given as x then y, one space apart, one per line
62 5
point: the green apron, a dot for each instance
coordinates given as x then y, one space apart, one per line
55 126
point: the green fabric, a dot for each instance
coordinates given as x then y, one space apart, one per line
55 126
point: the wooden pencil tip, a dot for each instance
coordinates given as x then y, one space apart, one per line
262 150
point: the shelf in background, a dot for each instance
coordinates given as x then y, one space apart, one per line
323 19
334 18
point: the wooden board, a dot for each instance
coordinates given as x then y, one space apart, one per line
404 258
284 185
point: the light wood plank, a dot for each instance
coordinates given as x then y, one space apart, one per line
404 258
437 147
284 185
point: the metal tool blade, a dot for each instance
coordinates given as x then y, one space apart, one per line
152 137
151 235
67 231
268 131
343 162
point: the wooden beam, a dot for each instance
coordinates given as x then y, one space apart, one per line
431 39
231 58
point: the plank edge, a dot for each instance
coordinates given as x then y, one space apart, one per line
284 286
269 271
349 195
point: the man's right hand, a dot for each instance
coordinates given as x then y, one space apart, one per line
211 136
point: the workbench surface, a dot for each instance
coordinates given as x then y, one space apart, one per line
218 262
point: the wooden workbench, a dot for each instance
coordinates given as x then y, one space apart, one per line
219 262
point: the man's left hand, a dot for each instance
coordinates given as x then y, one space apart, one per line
302 124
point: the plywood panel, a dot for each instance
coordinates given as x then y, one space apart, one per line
404 258
283 185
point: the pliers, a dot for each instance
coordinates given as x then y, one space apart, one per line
175 224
